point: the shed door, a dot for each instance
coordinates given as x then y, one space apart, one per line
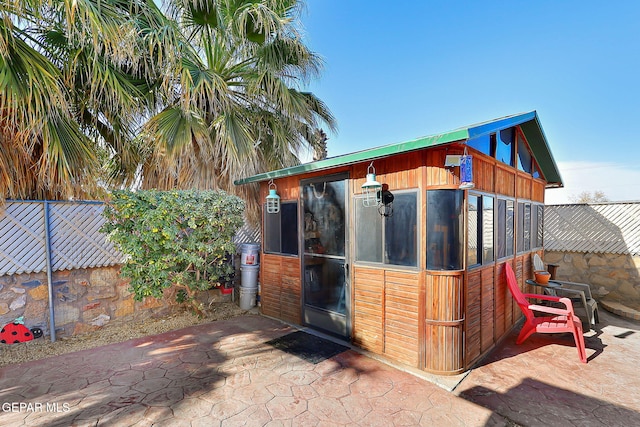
326 302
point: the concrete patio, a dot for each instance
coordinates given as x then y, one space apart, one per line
226 373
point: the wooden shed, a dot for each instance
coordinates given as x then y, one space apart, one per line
413 271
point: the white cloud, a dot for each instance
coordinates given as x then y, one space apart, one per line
619 182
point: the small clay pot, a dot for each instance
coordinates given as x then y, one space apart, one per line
542 277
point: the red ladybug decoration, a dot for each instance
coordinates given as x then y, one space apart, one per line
13 333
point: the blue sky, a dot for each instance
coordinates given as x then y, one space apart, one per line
395 71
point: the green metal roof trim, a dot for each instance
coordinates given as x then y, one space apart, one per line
528 122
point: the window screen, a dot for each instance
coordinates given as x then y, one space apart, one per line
504 238
368 233
487 229
401 231
281 230
445 230
388 239
480 219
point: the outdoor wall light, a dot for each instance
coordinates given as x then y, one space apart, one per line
273 200
371 188
385 208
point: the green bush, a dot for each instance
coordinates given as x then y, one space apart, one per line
174 238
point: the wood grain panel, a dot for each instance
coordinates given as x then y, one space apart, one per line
401 333
436 173
520 277
368 308
487 299
511 310
270 289
537 190
505 181
501 294
444 321
483 174
473 316
523 190
510 306
280 291
399 172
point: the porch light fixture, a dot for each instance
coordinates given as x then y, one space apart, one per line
385 208
273 200
371 189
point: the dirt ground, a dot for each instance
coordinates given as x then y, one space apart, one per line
41 348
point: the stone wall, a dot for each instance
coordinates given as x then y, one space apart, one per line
84 300
616 276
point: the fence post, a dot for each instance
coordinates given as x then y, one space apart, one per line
47 245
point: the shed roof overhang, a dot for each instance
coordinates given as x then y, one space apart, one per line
528 122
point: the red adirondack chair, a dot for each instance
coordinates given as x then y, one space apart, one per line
561 320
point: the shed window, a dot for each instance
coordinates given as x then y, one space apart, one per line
445 230
281 230
504 146
368 233
530 226
525 159
480 220
526 162
539 228
505 226
483 143
388 239
524 227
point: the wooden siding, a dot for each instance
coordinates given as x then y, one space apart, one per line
473 323
436 174
503 315
487 308
505 181
401 322
537 191
288 188
520 266
523 190
386 313
444 321
490 310
484 173
368 308
398 173
280 287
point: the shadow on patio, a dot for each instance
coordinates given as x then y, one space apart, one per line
542 382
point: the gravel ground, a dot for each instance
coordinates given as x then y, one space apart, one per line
41 348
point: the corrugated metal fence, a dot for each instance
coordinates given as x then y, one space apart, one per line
612 228
74 237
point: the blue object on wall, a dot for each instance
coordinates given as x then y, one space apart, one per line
466 172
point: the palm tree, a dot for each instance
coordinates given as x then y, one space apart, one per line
238 108
95 93
75 80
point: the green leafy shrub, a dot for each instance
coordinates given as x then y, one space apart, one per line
179 239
